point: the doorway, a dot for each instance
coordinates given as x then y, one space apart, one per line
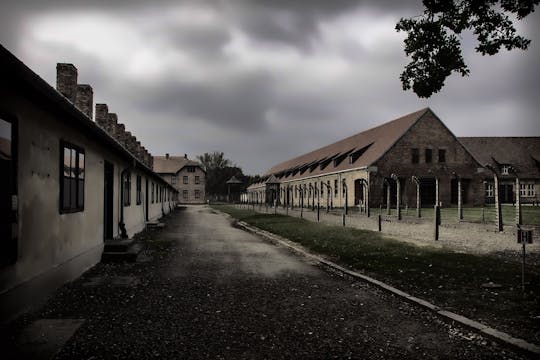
358 191
8 191
427 191
108 201
506 193
146 200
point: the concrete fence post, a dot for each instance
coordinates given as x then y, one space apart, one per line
518 197
418 198
437 221
398 195
498 215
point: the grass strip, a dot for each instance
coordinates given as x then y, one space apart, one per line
448 279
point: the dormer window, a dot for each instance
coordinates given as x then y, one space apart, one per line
505 169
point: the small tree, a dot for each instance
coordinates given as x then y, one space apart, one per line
435 49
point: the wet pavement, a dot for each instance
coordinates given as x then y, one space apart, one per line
209 290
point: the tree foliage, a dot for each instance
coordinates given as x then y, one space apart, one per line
434 45
219 169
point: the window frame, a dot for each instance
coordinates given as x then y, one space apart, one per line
197 179
78 150
197 194
428 155
185 180
442 155
490 190
415 156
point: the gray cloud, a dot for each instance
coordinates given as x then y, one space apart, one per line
261 80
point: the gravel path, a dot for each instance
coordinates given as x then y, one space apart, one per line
209 290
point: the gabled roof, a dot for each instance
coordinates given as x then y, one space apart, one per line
523 153
362 149
18 78
172 164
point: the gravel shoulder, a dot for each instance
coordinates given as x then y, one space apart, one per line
207 290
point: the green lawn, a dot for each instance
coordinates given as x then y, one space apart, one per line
448 279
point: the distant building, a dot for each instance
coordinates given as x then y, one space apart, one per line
186 176
418 153
68 184
366 168
508 156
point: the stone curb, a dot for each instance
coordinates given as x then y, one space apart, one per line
497 335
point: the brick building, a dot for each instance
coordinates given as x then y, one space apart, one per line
186 176
416 153
510 157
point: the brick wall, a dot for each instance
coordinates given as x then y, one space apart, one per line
427 133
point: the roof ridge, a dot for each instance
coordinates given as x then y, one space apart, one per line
414 115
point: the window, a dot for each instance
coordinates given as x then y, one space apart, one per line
505 169
329 189
72 184
185 180
153 192
415 154
442 155
336 190
126 188
429 155
489 190
296 191
173 180
197 194
197 180
138 185
526 190
322 189
190 169
185 194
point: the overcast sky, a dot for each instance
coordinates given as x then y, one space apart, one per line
262 81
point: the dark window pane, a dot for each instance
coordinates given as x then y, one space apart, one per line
415 156
80 199
429 155
81 165
442 155
65 193
5 140
67 162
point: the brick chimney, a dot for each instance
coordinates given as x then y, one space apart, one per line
84 99
119 131
102 113
66 80
112 120
139 152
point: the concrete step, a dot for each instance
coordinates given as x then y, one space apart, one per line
128 255
155 224
117 245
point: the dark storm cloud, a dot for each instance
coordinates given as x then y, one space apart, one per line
238 103
260 80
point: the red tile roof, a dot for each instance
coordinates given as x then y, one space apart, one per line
363 149
523 153
172 164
